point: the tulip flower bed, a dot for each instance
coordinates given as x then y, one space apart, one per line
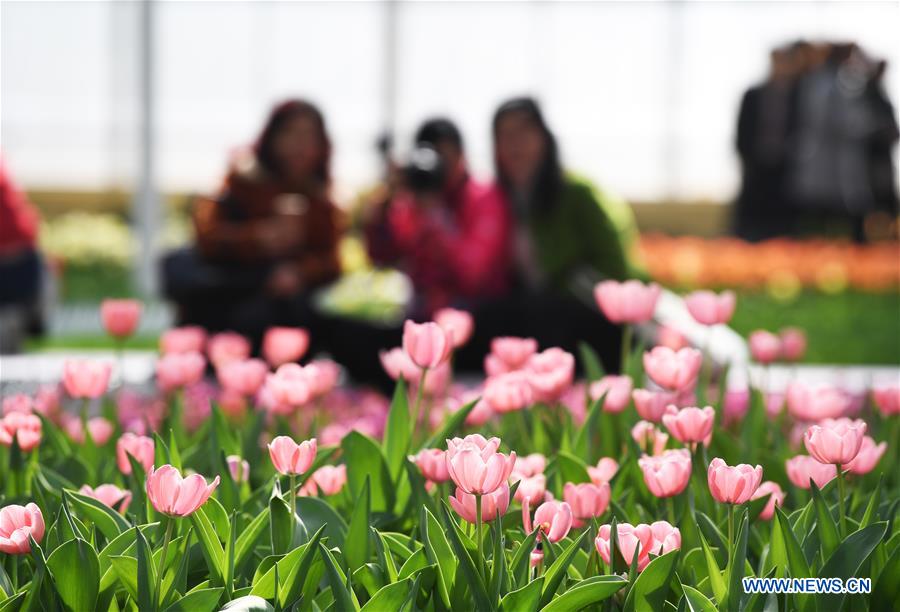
275 488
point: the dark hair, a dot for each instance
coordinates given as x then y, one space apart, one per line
278 118
549 180
438 130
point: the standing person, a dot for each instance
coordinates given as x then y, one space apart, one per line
270 237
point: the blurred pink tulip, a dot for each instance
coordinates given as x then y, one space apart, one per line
432 462
509 353
243 377
668 474
550 373
552 518
288 457
668 336
604 471
327 480
627 302
323 376
284 345
690 425
815 402
290 386
887 398
227 346
508 392
673 370
238 468
709 308
617 390
120 317
765 347
100 429
529 465
46 401
427 344
26 429
868 457
835 441
531 488
733 485
16 524
18 403
802 468
735 405
83 378
587 500
774 403
188 339
493 505
651 405
142 448
793 343
475 465
458 324
481 413
173 495
649 438
776 499
109 495
179 370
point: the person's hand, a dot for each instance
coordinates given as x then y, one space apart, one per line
284 280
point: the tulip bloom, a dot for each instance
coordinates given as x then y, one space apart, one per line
649 438
690 425
708 308
25 428
100 429
550 373
238 468
16 524
327 480
509 353
617 390
283 345
868 457
530 465
18 403
175 496
243 377
803 468
432 462
815 402
475 465
508 392
765 347
290 458
289 387
887 398
627 302
109 495
83 378
458 324
835 441
733 485
793 343
735 405
776 499
673 370
179 370
651 405
587 500
227 346
553 519
187 339
427 344
638 541
604 471
120 317
532 489
493 505
668 474
141 448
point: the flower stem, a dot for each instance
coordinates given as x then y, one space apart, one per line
730 533
670 502
293 495
162 561
478 527
626 348
841 498
417 408
15 572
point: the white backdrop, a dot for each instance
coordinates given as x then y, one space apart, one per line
643 96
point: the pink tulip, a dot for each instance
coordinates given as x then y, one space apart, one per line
179 370
47 400
327 480
243 377
774 403
587 500
668 336
238 468
887 398
18 403
776 499
551 373
109 495
458 324
509 353
227 346
288 457
16 524
628 302
793 343
815 402
733 485
475 465
666 537
120 317
25 428
617 390
604 471
508 392
651 405
638 541
427 345
142 448
530 465
83 378
432 462
708 308
835 440
100 429
668 474
765 347
735 405
323 375
175 496
290 386
803 468
493 505
553 519
284 345
188 339
690 425
673 370
649 438
868 457
532 489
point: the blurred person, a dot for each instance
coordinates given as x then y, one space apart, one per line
21 269
269 238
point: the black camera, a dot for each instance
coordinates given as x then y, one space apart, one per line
424 172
